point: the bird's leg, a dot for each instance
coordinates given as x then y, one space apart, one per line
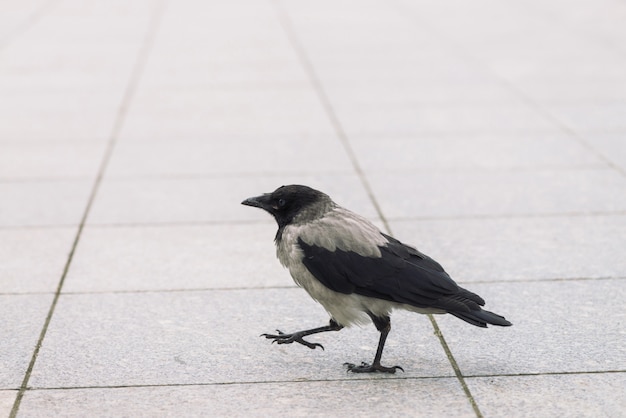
384 326
282 338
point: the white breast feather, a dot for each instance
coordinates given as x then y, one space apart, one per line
338 229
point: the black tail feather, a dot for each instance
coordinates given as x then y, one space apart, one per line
481 318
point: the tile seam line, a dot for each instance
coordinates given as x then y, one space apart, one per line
266 382
28 22
199 175
241 222
242 382
293 287
309 69
455 366
136 72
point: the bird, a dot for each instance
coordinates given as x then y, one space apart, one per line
358 273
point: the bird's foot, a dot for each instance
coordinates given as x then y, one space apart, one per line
371 368
296 337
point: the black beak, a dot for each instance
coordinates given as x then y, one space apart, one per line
262 201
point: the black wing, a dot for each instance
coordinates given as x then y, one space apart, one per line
402 274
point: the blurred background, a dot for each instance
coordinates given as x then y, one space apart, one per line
148 112
409 97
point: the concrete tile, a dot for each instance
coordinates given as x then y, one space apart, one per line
582 395
207 337
243 41
22 319
498 192
20 247
373 68
610 146
199 70
196 113
13 15
219 157
65 126
19 99
416 92
405 120
40 82
608 66
114 8
211 199
559 326
101 63
222 44
176 257
345 42
47 161
67 107
572 91
591 117
413 397
7 397
471 152
371 13
603 24
533 248
96 30
43 203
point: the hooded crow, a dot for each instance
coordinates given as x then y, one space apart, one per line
357 273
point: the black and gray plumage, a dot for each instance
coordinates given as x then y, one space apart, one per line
356 272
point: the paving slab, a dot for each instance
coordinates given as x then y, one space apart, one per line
280 155
377 66
43 202
580 395
558 327
33 259
22 319
191 70
458 152
26 67
211 198
168 257
14 14
74 160
218 48
470 119
7 397
572 91
601 25
609 146
170 338
20 127
54 99
209 113
591 117
466 193
524 248
425 91
405 397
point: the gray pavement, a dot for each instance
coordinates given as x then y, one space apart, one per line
491 134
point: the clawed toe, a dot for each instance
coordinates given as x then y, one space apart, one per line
370 368
282 338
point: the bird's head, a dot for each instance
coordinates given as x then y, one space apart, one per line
292 203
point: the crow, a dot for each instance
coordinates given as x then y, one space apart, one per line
358 273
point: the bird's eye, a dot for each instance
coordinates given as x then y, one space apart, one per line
282 203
